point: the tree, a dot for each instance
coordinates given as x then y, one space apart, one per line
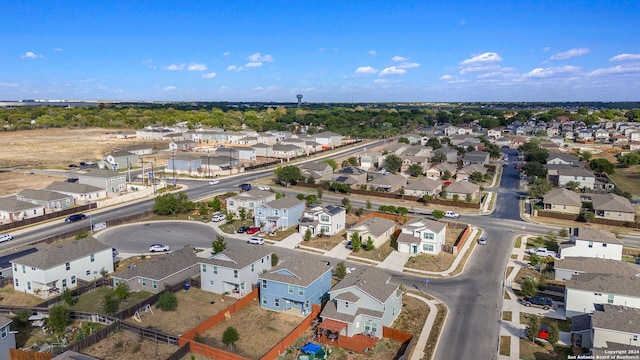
243 214
414 170
356 243
231 217
533 327
345 201
121 291
368 245
438 157
602 166
67 297
110 303
588 216
216 204
330 162
468 198
434 143
554 335
477 176
218 244
456 197
535 169
289 174
368 204
586 156
167 301
353 161
319 193
59 318
341 270
274 259
539 188
392 163
437 214
173 204
563 233
403 140
572 185
427 199
401 210
230 336
529 287
629 159
307 235
446 175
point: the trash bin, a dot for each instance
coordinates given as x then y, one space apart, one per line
187 286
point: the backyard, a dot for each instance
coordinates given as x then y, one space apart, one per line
438 262
125 345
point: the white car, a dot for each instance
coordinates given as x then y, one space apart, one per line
214 182
451 214
264 187
218 217
256 240
158 248
482 241
542 252
5 237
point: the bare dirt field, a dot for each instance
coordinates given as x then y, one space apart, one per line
125 345
259 330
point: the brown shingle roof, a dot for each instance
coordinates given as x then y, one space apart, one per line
611 202
376 226
562 196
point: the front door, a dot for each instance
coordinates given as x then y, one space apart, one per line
415 249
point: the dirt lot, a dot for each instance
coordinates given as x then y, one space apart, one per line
259 330
13 182
124 345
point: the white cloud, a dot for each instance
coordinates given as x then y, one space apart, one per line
479 69
57 49
169 88
366 70
447 77
372 52
575 52
197 67
30 55
209 75
398 58
381 81
488 57
615 70
175 67
258 58
546 48
625 57
9 85
408 65
226 53
253 64
551 71
392 70
235 68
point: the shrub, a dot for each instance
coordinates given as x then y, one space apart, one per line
167 301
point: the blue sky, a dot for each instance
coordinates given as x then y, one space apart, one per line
329 51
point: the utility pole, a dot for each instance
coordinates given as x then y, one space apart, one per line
142 161
153 178
128 171
208 163
173 166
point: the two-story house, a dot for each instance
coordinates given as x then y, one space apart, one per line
362 303
279 214
112 181
583 292
589 242
120 160
422 236
316 170
60 266
568 267
584 177
560 158
249 200
326 220
234 271
296 283
616 324
7 338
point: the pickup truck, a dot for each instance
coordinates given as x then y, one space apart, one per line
451 214
543 252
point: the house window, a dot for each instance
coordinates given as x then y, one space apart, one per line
300 291
154 284
73 279
346 304
144 281
215 270
604 245
17 283
276 302
29 285
251 205
590 244
64 283
264 284
230 202
253 266
325 229
211 282
427 247
235 274
204 268
93 257
68 266
427 236
260 211
564 207
634 337
276 212
3 332
88 272
324 218
290 288
24 270
264 300
610 299
15 267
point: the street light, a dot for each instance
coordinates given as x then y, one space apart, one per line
173 166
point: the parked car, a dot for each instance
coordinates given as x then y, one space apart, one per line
264 187
482 241
242 229
544 302
245 187
5 237
214 182
255 240
451 214
544 332
218 217
349 245
252 230
75 217
158 248
72 180
542 252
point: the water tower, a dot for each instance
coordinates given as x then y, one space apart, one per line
299 96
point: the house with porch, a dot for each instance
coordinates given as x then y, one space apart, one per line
562 200
112 181
475 158
295 284
613 207
51 200
465 173
437 171
234 270
387 182
377 228
316 170
590 242
279 214
59 266
167 269
362 304
249 200
326 220
422 236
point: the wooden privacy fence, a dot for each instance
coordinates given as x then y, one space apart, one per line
281 347
45 217
407 340
15 354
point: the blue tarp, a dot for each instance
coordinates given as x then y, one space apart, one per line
311 348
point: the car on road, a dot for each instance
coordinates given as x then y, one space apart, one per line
482 241
214 182
255 240
75 217
264 187
158 248
544 302
5 237
451 214
252 230
245 187
218 217
242 229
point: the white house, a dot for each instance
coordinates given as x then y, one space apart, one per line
327 220
585 291
616 324
60 266
422 236
588 242
234 271
12 209
569 267
584 177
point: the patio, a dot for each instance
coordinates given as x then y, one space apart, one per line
328 332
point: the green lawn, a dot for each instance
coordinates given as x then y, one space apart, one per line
92 301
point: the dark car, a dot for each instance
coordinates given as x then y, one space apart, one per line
544 302
242 229
72 180
245 187
75 217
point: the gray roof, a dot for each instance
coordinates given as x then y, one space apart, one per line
597 265
251 195
286 202
420 223
57 254
581 323
596 235
237 258
286 148
105 174
161 266
351 170
442 167
376 225
570 158
562 196
331 312
476 156
611 202
423 184
616 317
315 166
11 204
45 195
4 321
463 187
389 180
119 153
617 284
72 355
301 270
72 188
369 280
575 171
470 169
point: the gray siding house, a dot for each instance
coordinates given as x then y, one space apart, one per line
50 200
234 271
112 181
7 338
280 213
